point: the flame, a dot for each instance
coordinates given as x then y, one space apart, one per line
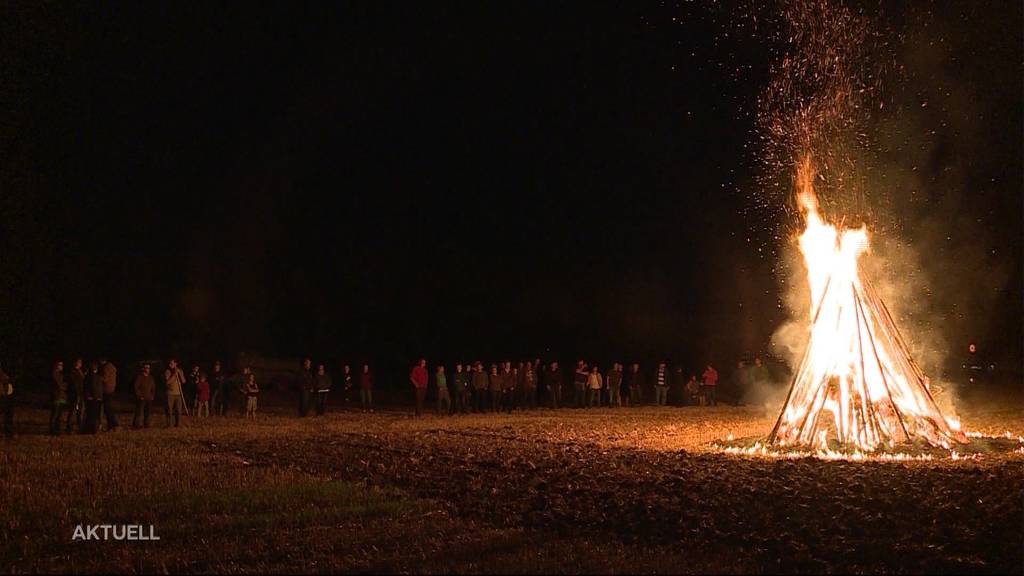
760 450
857 383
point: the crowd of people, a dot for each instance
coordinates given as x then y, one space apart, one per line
526 385
81 398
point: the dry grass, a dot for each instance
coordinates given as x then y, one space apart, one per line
607 491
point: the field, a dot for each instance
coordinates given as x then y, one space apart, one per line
604 490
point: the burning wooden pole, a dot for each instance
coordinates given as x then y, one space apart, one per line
857 366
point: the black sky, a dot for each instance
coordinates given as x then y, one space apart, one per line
394 179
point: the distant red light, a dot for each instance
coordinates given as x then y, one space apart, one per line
972 348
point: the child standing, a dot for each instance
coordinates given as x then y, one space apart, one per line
202 397
251 392
693 392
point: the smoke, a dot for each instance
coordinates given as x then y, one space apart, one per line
768 395
907 158
935 259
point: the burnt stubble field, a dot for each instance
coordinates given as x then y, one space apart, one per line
603 490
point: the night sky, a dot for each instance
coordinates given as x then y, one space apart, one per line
388 180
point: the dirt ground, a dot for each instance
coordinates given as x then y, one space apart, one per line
602 490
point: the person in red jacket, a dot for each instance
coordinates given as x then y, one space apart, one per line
366 388
418 377
202 396
710 384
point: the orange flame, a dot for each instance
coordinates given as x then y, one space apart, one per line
857 368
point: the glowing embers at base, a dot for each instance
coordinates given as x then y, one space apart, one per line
857 383
985 446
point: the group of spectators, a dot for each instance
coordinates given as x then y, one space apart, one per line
81 398
87 399
314 387
506 387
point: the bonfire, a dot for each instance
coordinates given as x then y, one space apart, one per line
857 384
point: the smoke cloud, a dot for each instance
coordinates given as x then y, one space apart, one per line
938 258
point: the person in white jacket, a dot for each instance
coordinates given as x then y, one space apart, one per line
594 385
174 379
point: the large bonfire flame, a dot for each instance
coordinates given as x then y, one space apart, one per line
857 383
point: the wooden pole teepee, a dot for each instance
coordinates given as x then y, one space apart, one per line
858 369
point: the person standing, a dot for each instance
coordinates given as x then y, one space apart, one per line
58 397
191 389
366 388
677 390
144 388
529 386
305 386
76 397
444 399
661 385
627 386
710 385
759 376
252 392
495 385
455 391
554 385
623 386
241 383
109 374
480 383
614 385
463 383
346 384
510 384
579 379
741 379
594 385
418 378
222 390
7 399
93 399
510 379
322 383
174 380
636 384
202 396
